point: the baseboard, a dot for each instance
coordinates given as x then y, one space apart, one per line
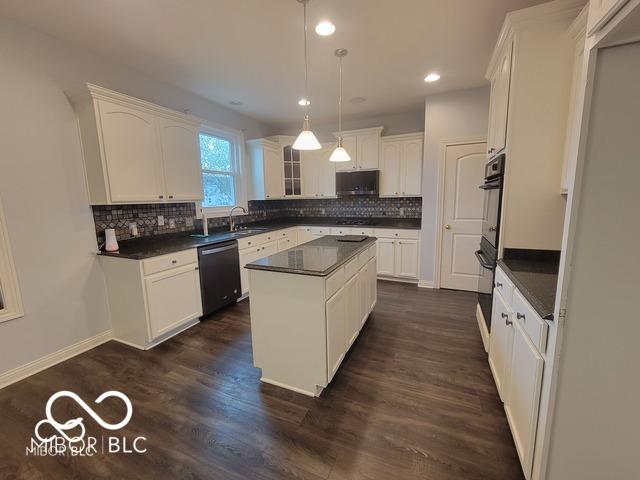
482 325
426 284
397 279
54 358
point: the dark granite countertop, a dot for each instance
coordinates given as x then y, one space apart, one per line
318 257
153 246
535 274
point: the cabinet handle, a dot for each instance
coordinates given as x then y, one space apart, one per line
170 196
508 322
160 196
498 285
197 268
520 316
174 261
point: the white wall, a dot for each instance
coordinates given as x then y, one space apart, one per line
394 123
42 188
448 116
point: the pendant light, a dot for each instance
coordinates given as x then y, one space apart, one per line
340 154
306 140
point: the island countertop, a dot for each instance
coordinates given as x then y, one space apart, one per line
318 257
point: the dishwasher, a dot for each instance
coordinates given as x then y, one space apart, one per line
219 275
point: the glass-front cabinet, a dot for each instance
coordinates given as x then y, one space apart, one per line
292 176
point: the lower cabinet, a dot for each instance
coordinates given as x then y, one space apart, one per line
153 299
407 258
173 298
398 253
336 331
353 306
518 336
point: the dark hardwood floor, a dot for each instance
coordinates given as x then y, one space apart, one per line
414 399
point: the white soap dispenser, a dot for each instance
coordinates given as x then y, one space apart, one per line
111 244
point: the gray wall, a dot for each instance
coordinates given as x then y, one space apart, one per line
448 116
42 189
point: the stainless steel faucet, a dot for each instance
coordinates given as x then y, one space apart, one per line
231 223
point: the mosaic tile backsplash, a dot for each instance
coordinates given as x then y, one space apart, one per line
181 217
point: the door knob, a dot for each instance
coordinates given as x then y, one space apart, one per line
447 227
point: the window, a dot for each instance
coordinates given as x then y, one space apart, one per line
219 171
10 302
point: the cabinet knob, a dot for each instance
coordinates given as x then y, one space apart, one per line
174 261
170 196
160 196
492 229
520 316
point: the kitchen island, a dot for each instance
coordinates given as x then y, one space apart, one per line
308 305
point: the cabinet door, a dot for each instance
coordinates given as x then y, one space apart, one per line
181 160
365 293
407 258
368 150
411 173
326 174
523 395
350 144
247 255
310 173
390 168
386 250
173 298
305 235
501 94
131 154
336 332
500 343
352 297
373 283
284 244
269 249
273 174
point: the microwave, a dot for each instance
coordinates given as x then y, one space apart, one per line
361 182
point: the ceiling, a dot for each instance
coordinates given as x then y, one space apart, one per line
251 50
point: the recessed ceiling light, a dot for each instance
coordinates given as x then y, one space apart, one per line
325 28
357 100
303 102
432 77
236 103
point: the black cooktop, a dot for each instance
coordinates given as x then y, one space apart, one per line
355 222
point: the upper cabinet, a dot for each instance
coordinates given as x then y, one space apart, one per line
267 169
600 12
318 173
401 165
135 151
500 79
363 146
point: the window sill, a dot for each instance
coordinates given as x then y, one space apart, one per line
217 212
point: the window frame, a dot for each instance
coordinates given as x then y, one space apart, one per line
12 299
236 138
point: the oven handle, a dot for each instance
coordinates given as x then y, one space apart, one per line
492 185
482 261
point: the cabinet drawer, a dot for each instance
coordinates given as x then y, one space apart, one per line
252 241
340 231
334 282
504 286
363 258
320 231
530 321
395 233
372 251
172 260
369 232
351 268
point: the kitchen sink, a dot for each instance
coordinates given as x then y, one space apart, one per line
247 231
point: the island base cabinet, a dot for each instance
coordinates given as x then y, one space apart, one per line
522 397
353 307
336 332
173 298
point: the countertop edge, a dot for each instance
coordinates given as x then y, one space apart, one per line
533 300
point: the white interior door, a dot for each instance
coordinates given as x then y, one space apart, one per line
463 211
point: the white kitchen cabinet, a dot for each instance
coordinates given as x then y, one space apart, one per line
135 151
181 160
407 258
353 316
267 169
153 299
336 332
577 32
363 146
499 103
318 173
173 298
386 256
305 234
401 165
500 343
522 397
600 12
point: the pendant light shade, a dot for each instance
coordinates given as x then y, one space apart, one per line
340 154
306 140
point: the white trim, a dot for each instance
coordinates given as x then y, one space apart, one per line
9 286
160 339
484 332
397 279
31 368
442 150
425 284
360 131
403 136
289 387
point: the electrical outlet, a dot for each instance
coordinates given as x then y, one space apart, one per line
161 220
133 229
172 223
401 211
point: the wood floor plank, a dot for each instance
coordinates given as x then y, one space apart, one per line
414 399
